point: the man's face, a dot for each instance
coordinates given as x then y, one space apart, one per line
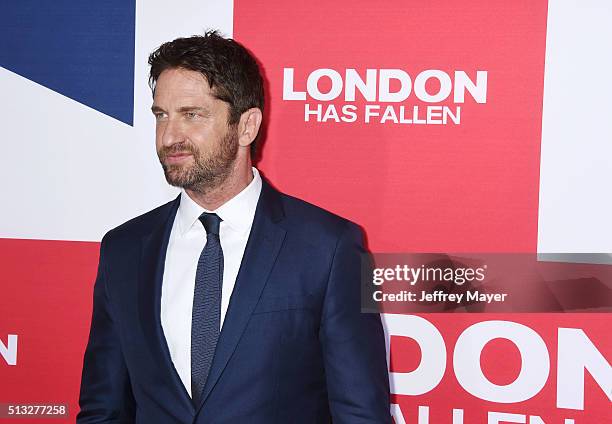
196 147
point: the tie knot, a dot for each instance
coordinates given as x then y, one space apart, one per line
211 222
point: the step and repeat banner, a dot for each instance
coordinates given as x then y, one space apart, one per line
438 126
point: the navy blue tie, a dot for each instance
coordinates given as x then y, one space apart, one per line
206 316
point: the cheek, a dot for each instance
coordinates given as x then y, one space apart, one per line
159 132
202 138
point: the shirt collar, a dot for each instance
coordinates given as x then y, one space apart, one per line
237 213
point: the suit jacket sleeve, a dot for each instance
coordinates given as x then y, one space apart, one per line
353 342
106 395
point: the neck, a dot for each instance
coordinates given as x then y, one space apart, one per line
213 197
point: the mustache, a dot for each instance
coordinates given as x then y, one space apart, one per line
182 148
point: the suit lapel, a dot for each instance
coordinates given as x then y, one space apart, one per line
260 254
153 256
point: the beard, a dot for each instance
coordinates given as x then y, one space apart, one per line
209 169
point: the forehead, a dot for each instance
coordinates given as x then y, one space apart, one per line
176 84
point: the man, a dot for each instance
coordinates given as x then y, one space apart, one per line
233 303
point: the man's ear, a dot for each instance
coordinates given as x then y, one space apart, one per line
248 126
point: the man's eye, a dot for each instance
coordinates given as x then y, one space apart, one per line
191 115
160 116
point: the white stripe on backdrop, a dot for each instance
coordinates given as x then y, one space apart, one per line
576 166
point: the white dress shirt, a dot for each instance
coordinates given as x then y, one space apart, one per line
185 245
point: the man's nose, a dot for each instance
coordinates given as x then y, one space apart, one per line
172 133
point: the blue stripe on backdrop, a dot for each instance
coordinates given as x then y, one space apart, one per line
83 49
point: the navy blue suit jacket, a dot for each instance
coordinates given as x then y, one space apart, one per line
294 347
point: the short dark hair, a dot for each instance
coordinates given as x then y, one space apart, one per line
231 71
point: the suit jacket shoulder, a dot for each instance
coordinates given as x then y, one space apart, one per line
310 220
141 225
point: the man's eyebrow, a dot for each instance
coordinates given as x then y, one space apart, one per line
184 109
